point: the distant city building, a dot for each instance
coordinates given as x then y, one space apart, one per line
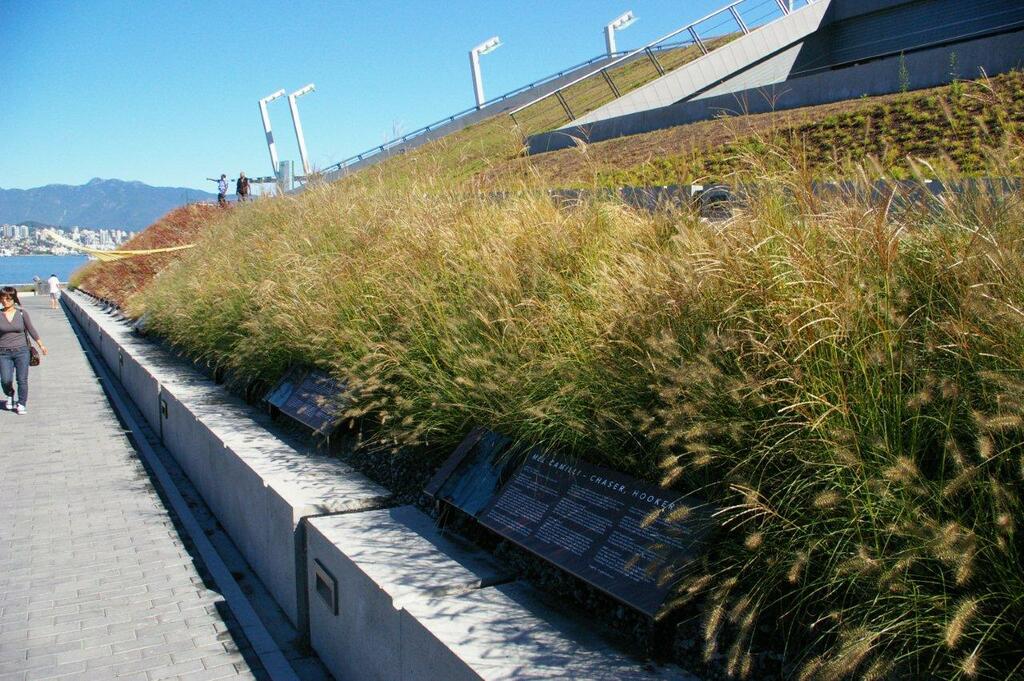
25 240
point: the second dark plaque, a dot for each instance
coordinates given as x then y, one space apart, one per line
629 539
310 396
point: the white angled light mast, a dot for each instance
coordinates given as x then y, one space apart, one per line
624 21
489 45
266 127
298 125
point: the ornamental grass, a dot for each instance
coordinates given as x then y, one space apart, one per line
840 374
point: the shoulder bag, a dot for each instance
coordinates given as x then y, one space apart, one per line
33 354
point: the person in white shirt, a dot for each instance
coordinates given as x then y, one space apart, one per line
54 284
222 190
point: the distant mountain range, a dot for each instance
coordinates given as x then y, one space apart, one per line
111 204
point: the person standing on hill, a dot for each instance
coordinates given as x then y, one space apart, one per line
242 187
222 190
15 329
54 285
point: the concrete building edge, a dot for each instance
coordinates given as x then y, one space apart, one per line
295 603
811 90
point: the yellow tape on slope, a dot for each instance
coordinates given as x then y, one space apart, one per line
100 254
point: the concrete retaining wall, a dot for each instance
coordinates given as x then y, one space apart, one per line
254 483
379 591
411 604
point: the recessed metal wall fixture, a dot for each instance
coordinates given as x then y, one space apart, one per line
489 45
266 127
298 125
622 22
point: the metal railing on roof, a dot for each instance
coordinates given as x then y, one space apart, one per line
380 148
461 114
731 12
648 50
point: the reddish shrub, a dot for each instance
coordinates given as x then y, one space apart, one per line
118 280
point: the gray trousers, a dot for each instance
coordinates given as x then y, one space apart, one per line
14 363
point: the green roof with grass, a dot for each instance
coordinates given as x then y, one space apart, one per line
842 375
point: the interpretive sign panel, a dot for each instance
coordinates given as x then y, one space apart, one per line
309 396
474 473
630 539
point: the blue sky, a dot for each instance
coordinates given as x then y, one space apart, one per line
166 92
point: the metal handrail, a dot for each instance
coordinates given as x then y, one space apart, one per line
453 117
656 45
373 151
731 8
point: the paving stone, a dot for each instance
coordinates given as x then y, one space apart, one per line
95 582
139 643
175 670
228 672
54 672
213 662
104 638
198 653
119 658
52 648
28 663
145 663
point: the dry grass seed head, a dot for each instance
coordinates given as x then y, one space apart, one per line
811 669
960 483
1004 422
713 621
878 670
797 568
986 447
861 564
827 500
854 648
965 612
969 664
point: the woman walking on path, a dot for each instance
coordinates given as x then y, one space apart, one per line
15 328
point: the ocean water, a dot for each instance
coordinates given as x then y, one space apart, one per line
19 269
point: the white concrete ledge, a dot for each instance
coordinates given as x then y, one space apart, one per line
413 604
257 486
383 593
508 632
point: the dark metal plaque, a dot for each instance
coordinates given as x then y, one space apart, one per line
310 396
474 473
606 528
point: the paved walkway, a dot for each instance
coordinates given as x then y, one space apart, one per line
95 582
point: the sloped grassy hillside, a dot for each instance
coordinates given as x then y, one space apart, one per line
844 379
843 376
120 280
